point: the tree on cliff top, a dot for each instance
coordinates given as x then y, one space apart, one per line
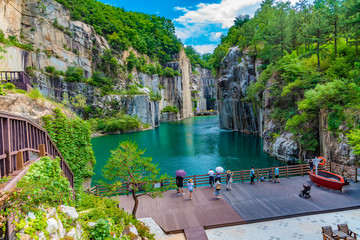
128 167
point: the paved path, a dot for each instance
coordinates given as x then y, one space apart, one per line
307 227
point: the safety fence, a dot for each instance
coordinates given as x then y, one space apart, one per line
19 78
244 176
21 141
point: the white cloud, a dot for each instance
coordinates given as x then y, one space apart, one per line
222 13
207 48
181 9
215 36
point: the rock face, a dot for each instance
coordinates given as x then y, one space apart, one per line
60 42
139 105
237 73
203 90
33 109
334 147
235 77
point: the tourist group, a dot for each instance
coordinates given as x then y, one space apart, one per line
215 180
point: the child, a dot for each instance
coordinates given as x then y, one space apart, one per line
262 178
217 189
190 187
270 176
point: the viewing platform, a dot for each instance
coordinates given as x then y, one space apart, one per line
243 204
19 78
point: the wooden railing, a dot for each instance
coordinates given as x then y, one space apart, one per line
19 139
244 176
18 78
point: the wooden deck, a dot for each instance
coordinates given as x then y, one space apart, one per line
268 200
245 203
175 213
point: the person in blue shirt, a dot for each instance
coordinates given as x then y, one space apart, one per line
252 175
276 173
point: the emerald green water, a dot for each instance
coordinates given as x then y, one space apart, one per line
195 145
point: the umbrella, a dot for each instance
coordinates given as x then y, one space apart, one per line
180 173
219 169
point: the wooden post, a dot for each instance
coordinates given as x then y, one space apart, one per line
242 176
302 169
19 160
287 171
96 190
257 174
42 150
330 166
195 181
356 175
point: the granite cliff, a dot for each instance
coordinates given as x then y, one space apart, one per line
238 71
60 42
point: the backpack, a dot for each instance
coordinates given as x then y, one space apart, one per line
218 187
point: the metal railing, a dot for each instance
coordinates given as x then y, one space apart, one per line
19 78
19 137
244 176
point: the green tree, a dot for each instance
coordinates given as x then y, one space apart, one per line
319 28
128 167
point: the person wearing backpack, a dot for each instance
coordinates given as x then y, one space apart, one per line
217 189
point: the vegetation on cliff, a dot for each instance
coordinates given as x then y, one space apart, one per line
72 136
310 61
148 34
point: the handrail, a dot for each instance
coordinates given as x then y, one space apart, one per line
240 176
19 78
20 135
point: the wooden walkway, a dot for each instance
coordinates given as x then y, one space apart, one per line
245 203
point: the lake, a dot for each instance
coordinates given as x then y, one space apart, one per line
194 144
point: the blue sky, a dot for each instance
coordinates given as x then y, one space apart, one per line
199 23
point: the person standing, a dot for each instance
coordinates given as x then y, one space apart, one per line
252 175
218 177
211 177
190 187
311 165
180 185
276 173
229 179
217 189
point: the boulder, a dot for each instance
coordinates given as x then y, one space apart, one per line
71 233
52 225
31 215
69 211
91 224
79 231
25 237
41 236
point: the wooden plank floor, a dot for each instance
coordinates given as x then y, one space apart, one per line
245 203
197 233
175 213
263 201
